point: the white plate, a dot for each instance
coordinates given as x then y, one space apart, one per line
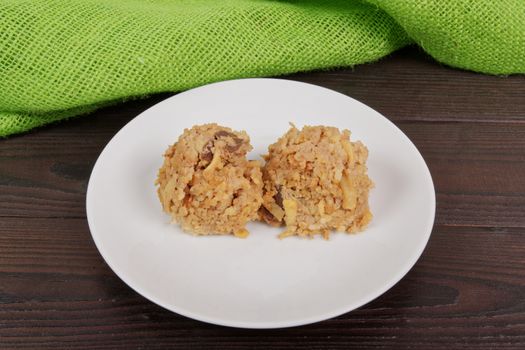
261 281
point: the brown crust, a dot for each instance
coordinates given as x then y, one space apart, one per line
232 147
278 197
319 178
268 217
206 183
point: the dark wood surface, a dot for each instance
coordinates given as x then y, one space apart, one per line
466 292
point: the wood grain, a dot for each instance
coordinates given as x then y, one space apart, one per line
467 291
476 174
412 86
56 290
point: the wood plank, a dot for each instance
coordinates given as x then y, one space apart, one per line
477 170
409 85
467 290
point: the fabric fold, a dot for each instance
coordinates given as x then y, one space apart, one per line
63 58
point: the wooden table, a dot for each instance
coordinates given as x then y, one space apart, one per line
467 290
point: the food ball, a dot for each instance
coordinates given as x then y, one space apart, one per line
315 181
206 183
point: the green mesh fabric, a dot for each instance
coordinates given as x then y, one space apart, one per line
64 58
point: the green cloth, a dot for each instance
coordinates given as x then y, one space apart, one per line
64 58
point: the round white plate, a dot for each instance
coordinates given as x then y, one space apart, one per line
261 281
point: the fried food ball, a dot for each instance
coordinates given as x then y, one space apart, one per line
315 181
206 183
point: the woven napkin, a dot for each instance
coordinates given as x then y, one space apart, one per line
65 58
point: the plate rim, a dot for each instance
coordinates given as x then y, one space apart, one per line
255 324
